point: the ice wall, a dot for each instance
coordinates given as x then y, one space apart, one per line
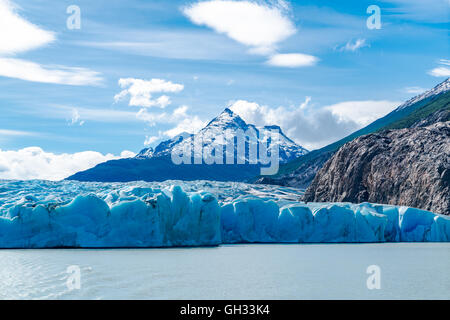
138 218
151 217
255 220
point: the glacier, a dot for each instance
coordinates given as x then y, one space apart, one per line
44 214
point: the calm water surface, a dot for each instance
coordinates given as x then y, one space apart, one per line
408 271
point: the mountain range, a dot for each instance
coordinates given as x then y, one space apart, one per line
157 164
398 159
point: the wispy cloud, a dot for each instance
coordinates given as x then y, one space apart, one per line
67 113
19 35
174 43
353 46
30 71
442 71
434 11
414 90
6 132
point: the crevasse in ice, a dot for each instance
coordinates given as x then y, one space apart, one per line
42 214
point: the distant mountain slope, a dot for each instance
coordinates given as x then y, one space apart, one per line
161 169
300 172
409 167
156 164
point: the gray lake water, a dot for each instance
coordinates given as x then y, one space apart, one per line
407 271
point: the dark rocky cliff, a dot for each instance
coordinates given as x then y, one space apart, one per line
430 107
408 167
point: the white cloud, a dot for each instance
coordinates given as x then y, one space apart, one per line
441 71
190 125
179 117
174 43
314 127
151 139
253 24
153 118
5 132
251 112
181 111
17 34
30 71
35 163
362 112
414 90
353 46
305 104
66 112
76 118
292 60
260 25
140 92
435 11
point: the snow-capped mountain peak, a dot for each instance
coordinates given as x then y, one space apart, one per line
227 119
230 123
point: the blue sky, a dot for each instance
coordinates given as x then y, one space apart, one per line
313 67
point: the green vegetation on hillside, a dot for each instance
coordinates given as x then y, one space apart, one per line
397 119
443 103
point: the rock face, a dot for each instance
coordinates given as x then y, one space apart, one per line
409 167
425 109
438 116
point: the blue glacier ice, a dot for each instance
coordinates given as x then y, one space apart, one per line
44 214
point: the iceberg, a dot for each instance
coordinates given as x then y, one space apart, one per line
43 214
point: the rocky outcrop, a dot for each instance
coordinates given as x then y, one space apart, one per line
408 167
438 116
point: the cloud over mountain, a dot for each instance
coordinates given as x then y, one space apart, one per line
314 127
